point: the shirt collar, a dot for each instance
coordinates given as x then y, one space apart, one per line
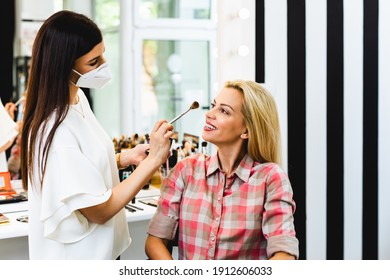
213 165
242 171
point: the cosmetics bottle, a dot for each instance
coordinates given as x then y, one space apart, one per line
204 148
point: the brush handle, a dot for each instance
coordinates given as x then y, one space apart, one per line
19 101
179 116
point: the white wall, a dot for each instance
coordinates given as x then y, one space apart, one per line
235 32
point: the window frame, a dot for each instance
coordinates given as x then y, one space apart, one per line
166 34
176 23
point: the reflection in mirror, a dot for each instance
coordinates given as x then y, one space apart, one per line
174 74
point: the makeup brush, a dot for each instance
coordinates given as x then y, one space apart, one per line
20 100
194 105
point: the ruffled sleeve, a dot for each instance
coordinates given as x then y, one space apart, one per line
71 182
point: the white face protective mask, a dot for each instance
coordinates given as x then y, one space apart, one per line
96 78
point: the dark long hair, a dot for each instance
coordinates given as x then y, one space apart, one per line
63 38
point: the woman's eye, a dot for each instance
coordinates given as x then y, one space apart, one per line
93 63
212 105
223 111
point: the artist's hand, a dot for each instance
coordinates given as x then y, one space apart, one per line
11 108
160 142
135 155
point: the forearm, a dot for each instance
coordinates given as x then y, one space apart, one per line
122 193
282 256
156 248
125 191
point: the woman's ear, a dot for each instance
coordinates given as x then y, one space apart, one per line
244 134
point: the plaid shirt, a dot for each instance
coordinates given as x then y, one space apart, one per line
248 215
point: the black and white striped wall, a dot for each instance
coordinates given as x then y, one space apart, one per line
327 62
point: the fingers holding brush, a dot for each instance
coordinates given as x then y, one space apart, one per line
160 140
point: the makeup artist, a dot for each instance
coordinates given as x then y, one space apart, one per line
76 202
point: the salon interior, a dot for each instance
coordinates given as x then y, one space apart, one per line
327 73
164 56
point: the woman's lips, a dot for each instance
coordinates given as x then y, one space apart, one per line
209 127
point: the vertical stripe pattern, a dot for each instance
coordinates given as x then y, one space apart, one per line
260 45
335 143
275 68
370 130
296 54
353 127
384 135
316 129
327 64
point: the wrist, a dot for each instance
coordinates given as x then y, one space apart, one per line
118 161
151 162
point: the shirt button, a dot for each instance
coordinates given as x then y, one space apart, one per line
217 219
212 238
219 198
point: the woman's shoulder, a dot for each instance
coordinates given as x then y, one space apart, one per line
64 135
269 167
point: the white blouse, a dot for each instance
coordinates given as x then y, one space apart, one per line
80 172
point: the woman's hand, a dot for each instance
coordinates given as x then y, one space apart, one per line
160 143
10 108
135 155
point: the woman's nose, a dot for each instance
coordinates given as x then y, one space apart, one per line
210 114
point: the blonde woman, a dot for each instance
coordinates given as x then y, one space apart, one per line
237 203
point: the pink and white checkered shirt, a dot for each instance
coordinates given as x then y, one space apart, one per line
248 215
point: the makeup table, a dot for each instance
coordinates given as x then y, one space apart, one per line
14 235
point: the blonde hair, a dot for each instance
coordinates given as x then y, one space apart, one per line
262 121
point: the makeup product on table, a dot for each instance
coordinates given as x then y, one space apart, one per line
132 210
135 207
150 202
3 219
204 148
